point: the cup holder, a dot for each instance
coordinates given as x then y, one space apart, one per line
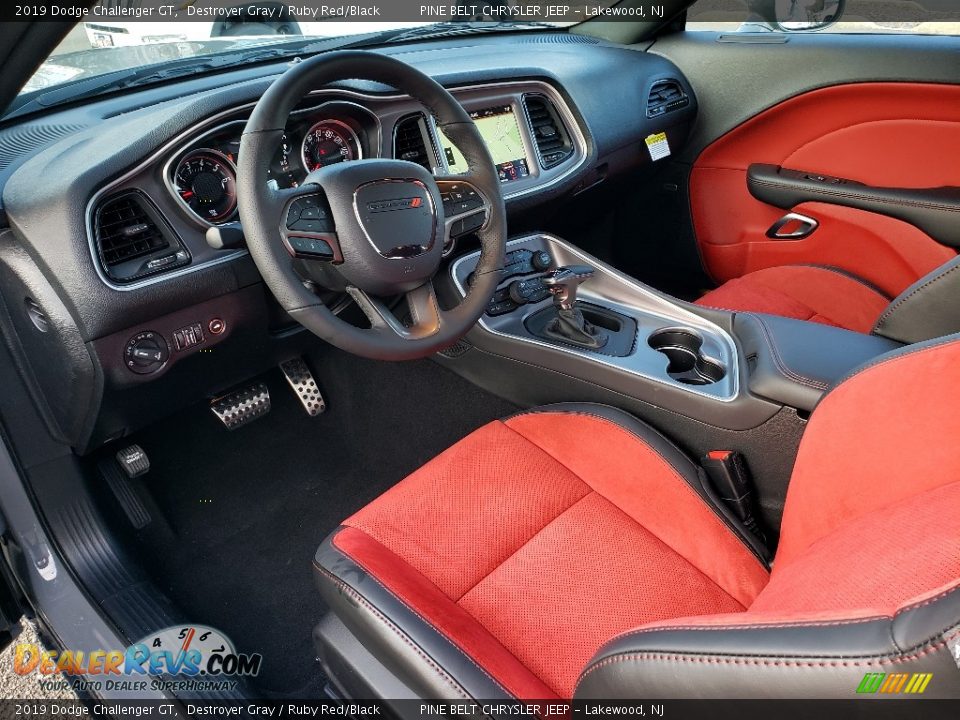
687 364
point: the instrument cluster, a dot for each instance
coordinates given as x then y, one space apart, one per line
203 176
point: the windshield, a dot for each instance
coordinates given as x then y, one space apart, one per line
123 36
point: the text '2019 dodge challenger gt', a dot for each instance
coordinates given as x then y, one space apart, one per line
490 359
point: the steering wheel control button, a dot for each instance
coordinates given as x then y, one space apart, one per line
459 198
216 326
309 214
188 337
314 248
146 353
311 226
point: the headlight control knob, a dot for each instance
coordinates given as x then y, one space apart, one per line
146 352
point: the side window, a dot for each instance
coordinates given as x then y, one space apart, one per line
916 17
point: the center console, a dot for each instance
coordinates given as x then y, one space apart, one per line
559 309
639 334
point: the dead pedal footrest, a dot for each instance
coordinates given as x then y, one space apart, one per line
242 406
301 380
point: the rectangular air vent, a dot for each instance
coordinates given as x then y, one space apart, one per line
133 240
410 141
549 133
666 96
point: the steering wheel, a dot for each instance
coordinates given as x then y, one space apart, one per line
380 227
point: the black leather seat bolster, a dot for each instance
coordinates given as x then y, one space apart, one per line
796 362
925 310
416 652
814 659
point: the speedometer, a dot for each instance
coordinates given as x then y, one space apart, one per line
329 142
206 181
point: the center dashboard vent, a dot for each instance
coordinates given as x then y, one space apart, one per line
133 240
410 141
666 96
549 132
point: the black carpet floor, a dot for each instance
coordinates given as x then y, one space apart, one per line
238 515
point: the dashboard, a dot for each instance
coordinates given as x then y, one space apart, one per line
203 176
189 186
109 204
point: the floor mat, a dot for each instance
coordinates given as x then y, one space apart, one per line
241 513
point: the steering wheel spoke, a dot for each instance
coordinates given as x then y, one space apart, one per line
426 317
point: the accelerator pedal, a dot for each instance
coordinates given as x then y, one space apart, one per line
301 380
242 406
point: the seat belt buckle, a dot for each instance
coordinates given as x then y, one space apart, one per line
728 474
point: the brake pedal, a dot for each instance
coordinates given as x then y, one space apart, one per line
301 380
242 406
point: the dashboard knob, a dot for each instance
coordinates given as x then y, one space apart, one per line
146 352
517 293
541 260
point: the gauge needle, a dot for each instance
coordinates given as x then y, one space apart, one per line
187 640
186 194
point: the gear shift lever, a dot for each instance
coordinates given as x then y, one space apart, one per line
563 283
570 325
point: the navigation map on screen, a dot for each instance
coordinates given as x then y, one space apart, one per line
500 131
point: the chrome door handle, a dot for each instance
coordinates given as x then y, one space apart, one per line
806 227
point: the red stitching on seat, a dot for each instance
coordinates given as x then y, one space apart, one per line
799 623
891 659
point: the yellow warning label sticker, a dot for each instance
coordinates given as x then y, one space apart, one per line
658 146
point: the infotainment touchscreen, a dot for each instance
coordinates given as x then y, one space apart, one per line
500 130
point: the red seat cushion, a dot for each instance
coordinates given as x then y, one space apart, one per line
534 540
803 292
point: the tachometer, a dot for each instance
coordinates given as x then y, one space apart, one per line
329 142
206 181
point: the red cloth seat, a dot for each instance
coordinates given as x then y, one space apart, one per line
803 292
506 531
572 552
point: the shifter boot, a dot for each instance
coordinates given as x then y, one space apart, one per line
572 327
